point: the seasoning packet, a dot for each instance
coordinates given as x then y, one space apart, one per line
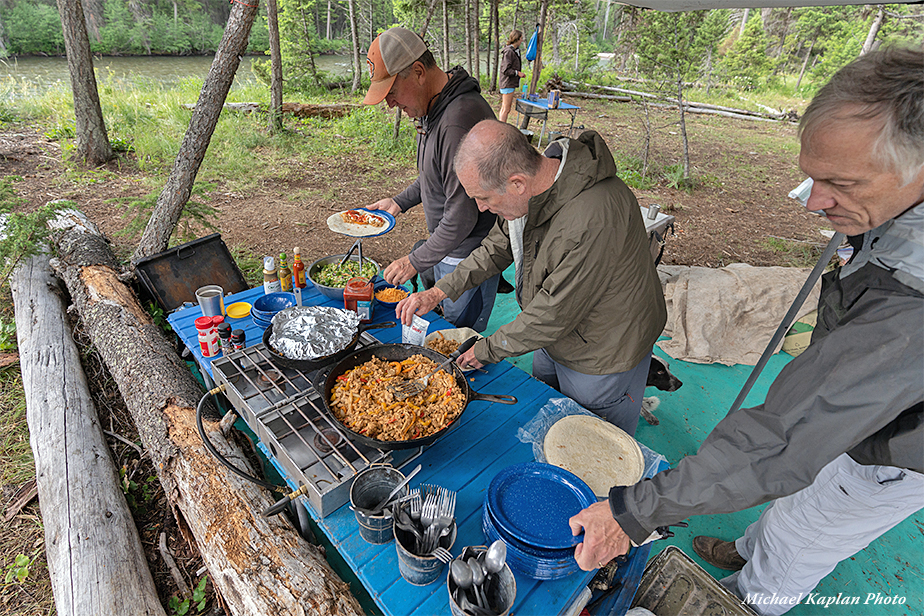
415 332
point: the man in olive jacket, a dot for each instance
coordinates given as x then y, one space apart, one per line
591 301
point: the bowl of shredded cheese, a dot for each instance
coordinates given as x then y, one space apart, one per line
388 295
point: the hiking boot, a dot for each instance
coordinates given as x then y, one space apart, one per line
718 553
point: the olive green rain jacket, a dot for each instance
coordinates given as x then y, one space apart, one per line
589 290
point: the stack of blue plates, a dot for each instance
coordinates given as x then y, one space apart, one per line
528 506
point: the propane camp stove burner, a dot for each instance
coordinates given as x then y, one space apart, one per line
327 440
270 378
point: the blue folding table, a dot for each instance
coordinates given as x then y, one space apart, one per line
539 109
466 460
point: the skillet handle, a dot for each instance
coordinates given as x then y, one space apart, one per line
386 324
320 378
499 398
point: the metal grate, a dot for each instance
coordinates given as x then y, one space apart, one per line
285 411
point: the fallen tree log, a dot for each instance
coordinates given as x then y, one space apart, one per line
299 110
95 559
693 106
260 566
608 97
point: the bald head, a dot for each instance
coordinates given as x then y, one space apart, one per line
497 151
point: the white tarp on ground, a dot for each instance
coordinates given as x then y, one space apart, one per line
728 315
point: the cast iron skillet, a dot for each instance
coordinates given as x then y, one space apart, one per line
309 365
326 379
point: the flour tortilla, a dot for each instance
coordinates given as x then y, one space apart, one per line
596 451
336 224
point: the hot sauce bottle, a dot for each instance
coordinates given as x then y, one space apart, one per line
285 274
298 268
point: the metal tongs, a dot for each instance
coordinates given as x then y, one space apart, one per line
358 246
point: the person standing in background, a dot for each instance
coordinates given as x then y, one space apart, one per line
510 72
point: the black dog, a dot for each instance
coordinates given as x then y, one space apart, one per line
658 376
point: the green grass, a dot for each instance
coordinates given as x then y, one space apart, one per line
149 120
792 253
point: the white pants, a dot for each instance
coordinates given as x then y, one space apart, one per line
800 538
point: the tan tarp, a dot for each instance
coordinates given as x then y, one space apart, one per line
728 315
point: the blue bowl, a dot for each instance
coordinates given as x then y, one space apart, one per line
261 323
380 285
272 303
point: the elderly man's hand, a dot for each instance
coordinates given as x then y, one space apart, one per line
418 303
467 360
388 204
400 271
604 540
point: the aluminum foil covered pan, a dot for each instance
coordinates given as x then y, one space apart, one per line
310 332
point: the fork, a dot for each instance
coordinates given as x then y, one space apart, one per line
442 554
412 388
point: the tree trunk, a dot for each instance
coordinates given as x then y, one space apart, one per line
275 114
95 559
683 127
357 69
476 38
556 53
537 66
808 55
446 64
328 19
259 565
495 12
744 21
873 31
179 185
426 25
93 147
467 11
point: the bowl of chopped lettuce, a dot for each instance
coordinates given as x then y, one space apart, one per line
329 277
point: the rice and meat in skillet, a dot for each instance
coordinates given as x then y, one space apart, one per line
361 401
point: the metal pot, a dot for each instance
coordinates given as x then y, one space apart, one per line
326 379
309 365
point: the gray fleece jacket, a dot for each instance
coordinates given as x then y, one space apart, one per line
858 388
456 226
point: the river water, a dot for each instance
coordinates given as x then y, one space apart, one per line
31 76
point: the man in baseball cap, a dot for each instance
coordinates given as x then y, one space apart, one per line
390 53
446 104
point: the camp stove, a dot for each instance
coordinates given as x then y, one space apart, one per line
285 411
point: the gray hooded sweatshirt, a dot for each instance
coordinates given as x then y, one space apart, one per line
456 226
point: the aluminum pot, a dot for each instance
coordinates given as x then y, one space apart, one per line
326 379
309 365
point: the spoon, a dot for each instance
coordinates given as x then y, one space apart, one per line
495 557
380 506
404 522
477 579
461 575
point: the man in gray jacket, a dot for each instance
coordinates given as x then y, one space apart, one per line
592 305
839 441
446 106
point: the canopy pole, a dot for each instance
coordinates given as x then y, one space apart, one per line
788 319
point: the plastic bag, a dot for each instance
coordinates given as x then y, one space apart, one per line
535 429
532 45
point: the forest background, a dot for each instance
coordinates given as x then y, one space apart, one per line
750 49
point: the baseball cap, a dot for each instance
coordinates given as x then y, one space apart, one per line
390 53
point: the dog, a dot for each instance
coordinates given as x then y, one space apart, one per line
660 377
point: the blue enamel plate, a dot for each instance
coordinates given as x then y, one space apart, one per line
334 224
532 503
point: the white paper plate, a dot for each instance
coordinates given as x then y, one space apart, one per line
459 335
336 224
596 451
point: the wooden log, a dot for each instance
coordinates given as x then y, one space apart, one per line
260 566
608 97
95 559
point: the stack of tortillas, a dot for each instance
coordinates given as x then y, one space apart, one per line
596 451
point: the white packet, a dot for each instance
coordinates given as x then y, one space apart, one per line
415 332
